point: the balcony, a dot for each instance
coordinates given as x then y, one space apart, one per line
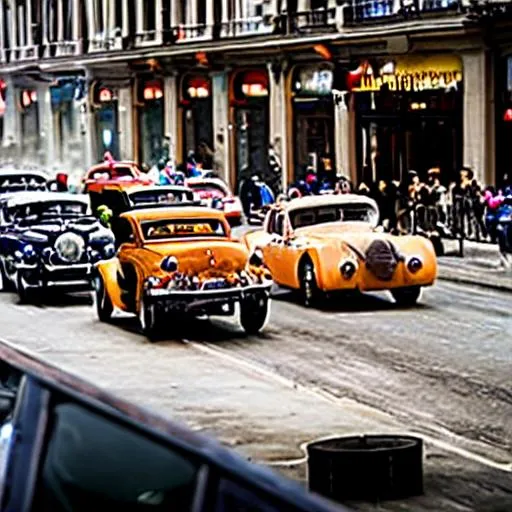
316 20
385 10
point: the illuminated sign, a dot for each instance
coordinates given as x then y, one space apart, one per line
507 116
254 83
254 90
152 91
410 82
315 82
414 74
28 98
105 95
198 87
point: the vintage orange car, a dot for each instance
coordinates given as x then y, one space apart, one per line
180 260
331 243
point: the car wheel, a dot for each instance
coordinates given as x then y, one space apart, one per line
148 319
26 294
104 307
406 296
254 314
308 284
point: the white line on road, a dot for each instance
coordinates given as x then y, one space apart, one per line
330 398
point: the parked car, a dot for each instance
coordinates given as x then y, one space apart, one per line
49 240
216 194
20 180
109 172
504 226
67 445
121 198
329 243
180 261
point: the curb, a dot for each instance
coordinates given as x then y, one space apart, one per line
472 281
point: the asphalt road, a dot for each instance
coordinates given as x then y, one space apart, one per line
442 370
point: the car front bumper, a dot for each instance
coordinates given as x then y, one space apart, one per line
74 276
219 301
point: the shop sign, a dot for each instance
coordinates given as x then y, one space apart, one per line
314 81
198 88
413 74
105 95
255 84
28 98
152 91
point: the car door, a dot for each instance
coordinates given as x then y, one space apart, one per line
273 249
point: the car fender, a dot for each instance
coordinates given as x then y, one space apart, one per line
108 272
325 259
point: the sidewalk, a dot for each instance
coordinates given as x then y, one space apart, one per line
481 265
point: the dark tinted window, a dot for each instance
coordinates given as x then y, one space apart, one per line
178 228
92 462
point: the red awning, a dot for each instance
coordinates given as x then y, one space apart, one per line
256 76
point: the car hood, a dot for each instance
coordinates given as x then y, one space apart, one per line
199 256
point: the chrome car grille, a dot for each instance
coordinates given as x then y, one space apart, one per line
381 260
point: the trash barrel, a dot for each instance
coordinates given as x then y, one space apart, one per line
366 468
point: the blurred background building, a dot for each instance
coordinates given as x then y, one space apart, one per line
371 88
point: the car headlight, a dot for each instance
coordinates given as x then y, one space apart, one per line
109 251
152 282
169 264
414 265
256 258
348 268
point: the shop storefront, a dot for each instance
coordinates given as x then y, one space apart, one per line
408 116
105 106
64 115
150 113
313 120
197 119
3 88
249 100
30 129
503 119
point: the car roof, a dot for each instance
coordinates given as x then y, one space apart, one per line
328 200
21 198
122 163
158 188
207 181
178 211
5 173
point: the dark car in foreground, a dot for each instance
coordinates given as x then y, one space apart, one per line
49 240
68 446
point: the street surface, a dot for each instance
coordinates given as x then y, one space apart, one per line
442 370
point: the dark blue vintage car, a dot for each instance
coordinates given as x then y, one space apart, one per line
49 240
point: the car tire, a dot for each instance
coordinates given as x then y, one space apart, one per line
104 307
253 314
309 290
148 320
26 294
406 297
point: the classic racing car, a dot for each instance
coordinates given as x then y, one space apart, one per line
48 240
216 194
109 172
180 260
121 198
331 243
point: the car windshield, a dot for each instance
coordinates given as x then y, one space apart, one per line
178 228
14 182
47 208
206 191
354 212
161 197
108 174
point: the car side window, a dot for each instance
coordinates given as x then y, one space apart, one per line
123 231
91 462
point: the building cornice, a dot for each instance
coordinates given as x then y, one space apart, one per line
444 27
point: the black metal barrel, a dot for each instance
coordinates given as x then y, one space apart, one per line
369 468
